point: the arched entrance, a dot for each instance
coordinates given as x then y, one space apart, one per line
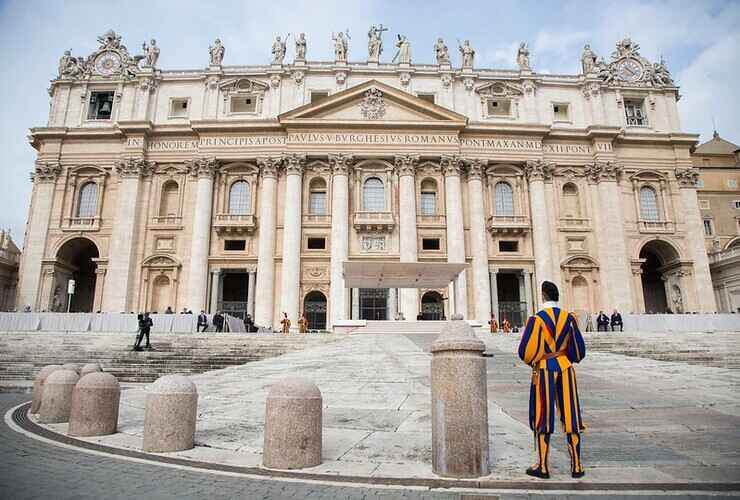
657 258
432 307
314 307
75 261
581 294
160 294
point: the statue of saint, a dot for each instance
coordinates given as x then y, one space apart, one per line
300 47
468 54
661 75
441 52
278 50
341 46
217 53
522 57
69 66
375 42
151 52
404 50
588 60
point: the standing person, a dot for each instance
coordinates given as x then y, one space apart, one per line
303 323
286 323
493 323
616 320
602 322
218 321
506 326
145 327
550 344
202 321
249 323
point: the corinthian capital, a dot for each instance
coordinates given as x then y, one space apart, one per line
406 164
269 166
294 163
538 170
202 167
46 172
603 171
687 177
452 165
341 163
476 166
134 166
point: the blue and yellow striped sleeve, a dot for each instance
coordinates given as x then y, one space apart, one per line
529 347
577 346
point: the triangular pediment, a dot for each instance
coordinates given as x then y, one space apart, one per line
370 103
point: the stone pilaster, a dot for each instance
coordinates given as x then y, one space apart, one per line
453 167
406 168
291 269
215 285
479 240
124 237
537 171
340 166
265 300
493 286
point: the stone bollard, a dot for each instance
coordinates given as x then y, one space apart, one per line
293 432
38 385
171 411
56 399
72 367
90 368
459 403
95 401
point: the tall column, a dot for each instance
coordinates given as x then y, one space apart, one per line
340 165
251 278
406 166
264 303
29 287
291 270
392 303
553 227
204 169
452 167
691 216
528 292
215 285
479 241
536 172
493 276
123 239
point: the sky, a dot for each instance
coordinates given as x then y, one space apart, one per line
699 39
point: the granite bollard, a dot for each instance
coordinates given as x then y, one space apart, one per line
95 401
90 368
459 403
72 367
293 428
171 411
56 399
38 385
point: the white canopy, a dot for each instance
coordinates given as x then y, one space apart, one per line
369 274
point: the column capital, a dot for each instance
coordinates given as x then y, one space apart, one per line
216 270
341 163
603 171
46 172
476 168
203 167
406 164
269 166
539 170
687 177
134 166
452 165
294 163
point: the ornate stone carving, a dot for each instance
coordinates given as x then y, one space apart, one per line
298 76
373 104
112 59
341 46
452 165
528 86
151 52
500 89
602 171
202 167
300 47
404 50
591 89
446 80
134 166
70 66
148 84
538 170
216 53
46 172
275 80
468 54
476 168
341 163
687 177
522 57
406 164
405 78
375 43
315 273
441 52
373 243
269 166
294 163
469 83
629 68
278 51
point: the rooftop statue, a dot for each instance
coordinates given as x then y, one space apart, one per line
522 57
588 60
278 50
216 53
375 42
70 66
300 47
151 53
468 54
341 46
404 50
441 52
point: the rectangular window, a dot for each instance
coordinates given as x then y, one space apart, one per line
428 203
426 96
430 244
737 204
499 107
317 203
704 204
732 183
560 112
635 114
708 230
316 243
179 108
101 106
244 104
235 245
508 246
318 96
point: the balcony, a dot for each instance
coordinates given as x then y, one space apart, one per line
166 222
656 226
235 223
81 224
508 224
431 220
374 222
724 256
315 220
574 224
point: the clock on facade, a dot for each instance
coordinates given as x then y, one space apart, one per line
629 70
108 63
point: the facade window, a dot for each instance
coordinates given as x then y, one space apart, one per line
635 114
179 108
428 202
235 245
649 204
708 227
430 244
732 183
571 205
737 204
317 197
244 104
168 206
88 203
373 195
101 106
560 112
504 198
316 243
508 246
498 107
318 96
239 198
704 204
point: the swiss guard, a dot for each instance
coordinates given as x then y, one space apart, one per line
550 344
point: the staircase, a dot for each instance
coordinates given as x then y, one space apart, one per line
23 354
401 327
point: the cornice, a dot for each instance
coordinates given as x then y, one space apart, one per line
235 125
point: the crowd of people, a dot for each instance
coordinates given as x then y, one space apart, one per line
603 323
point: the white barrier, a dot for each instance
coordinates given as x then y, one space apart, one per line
680 322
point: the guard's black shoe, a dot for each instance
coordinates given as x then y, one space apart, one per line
137 349
149 348
578 475
535 472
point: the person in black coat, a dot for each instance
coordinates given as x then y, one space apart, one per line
249 323
218 321
145 327
602 322
202 321
617 321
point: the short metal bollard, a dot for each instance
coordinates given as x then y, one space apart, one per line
38 385
459 403
56 400
171 411
95 402
293 425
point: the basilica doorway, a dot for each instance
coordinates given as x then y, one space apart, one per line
314 307
75 260
432 307
374 304
510 303
657 257
234 291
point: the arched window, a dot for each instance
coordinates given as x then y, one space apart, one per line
239 198
504 197
373 195
168 205
649 204
571 206
428 203
317 197
88 202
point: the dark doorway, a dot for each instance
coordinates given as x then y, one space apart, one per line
78 255
658 255
373 304
234 291
510 305
314 307
432 307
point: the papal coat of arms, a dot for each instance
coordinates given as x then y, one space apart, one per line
373 105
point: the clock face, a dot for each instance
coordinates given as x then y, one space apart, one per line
107 63
629 70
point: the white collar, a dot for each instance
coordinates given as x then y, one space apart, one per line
549 304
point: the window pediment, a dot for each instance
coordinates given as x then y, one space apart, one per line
499 89
243 86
